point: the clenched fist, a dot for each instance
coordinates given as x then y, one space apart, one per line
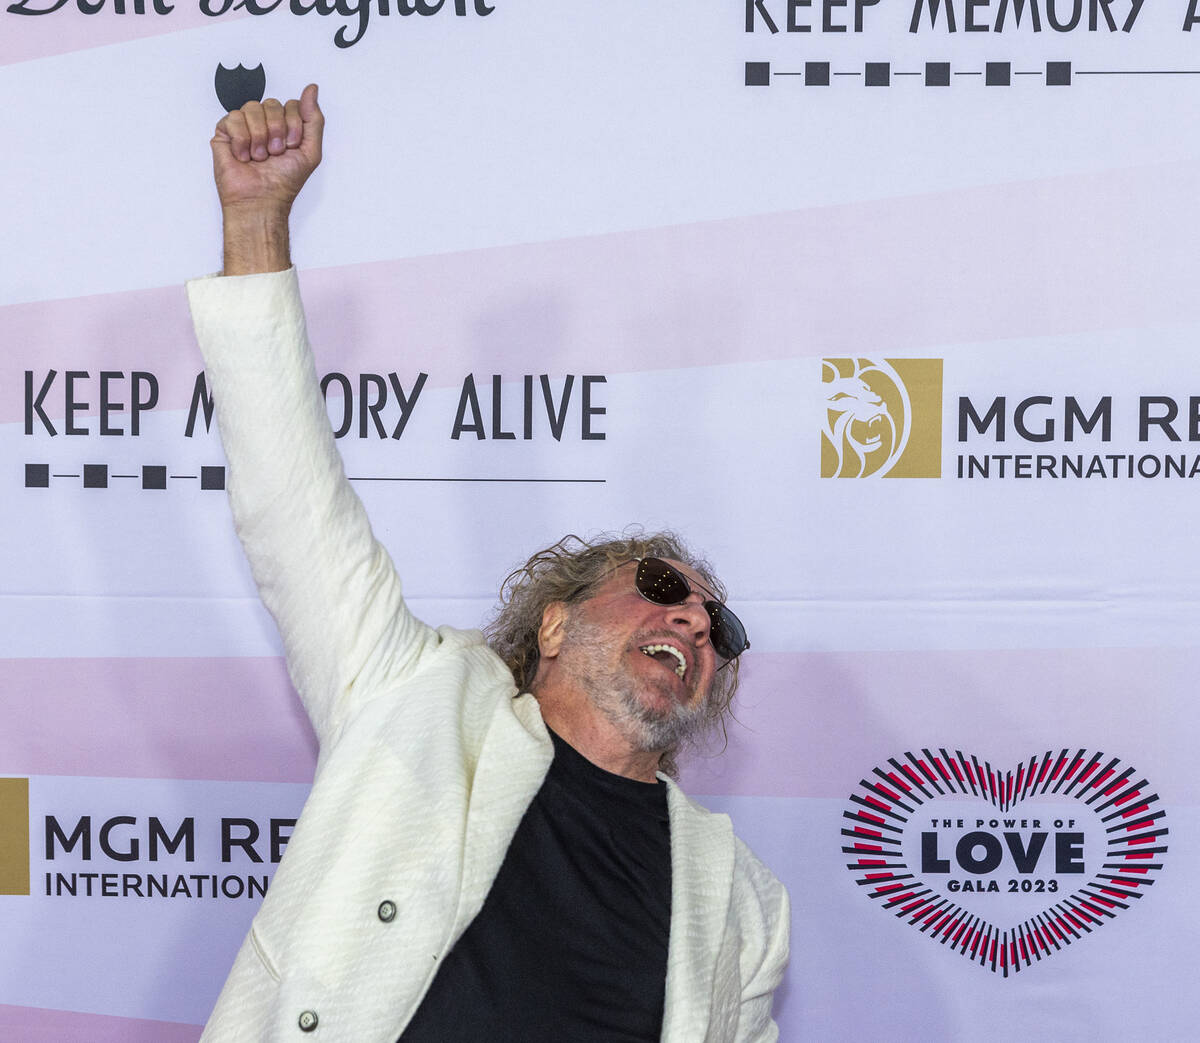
263 153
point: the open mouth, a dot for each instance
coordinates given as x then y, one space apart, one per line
668 654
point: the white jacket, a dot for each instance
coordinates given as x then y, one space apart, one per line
428 756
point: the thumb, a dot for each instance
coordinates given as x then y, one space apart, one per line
314 124
310 111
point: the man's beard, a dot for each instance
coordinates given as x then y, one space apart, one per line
590 648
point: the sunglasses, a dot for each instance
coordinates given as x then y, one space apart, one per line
662 584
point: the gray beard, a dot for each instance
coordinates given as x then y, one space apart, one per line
614 694
652 732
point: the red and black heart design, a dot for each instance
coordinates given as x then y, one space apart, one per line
930 835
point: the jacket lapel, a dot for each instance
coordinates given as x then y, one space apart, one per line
702 859
512 765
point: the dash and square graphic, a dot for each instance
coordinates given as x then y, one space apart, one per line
932 74
98 476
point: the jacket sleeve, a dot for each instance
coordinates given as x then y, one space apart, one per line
767 928
329 584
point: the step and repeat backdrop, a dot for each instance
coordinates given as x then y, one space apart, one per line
889 306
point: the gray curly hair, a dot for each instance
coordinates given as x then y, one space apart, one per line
569 571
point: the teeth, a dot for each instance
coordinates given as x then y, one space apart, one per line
652 650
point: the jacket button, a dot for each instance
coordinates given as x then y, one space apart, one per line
308 1021
387 911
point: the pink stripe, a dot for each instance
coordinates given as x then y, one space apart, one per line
26 37
1000 262
787 285
811 725
808 724
146 330
153 718
38 1025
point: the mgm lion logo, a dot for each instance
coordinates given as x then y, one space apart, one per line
882 418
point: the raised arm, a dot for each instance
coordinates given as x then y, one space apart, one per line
329 584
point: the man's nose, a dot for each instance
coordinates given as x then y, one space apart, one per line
693 615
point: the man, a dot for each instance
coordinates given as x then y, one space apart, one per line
487 852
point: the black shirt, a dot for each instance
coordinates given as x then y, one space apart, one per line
571 942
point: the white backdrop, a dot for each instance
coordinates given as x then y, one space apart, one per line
759 279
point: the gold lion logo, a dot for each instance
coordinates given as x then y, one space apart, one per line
868 418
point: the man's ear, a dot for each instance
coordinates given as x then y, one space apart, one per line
553 629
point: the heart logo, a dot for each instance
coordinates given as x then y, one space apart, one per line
1005 868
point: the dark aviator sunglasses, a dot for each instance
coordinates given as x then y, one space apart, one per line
661 583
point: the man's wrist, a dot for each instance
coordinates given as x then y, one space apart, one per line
256 239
